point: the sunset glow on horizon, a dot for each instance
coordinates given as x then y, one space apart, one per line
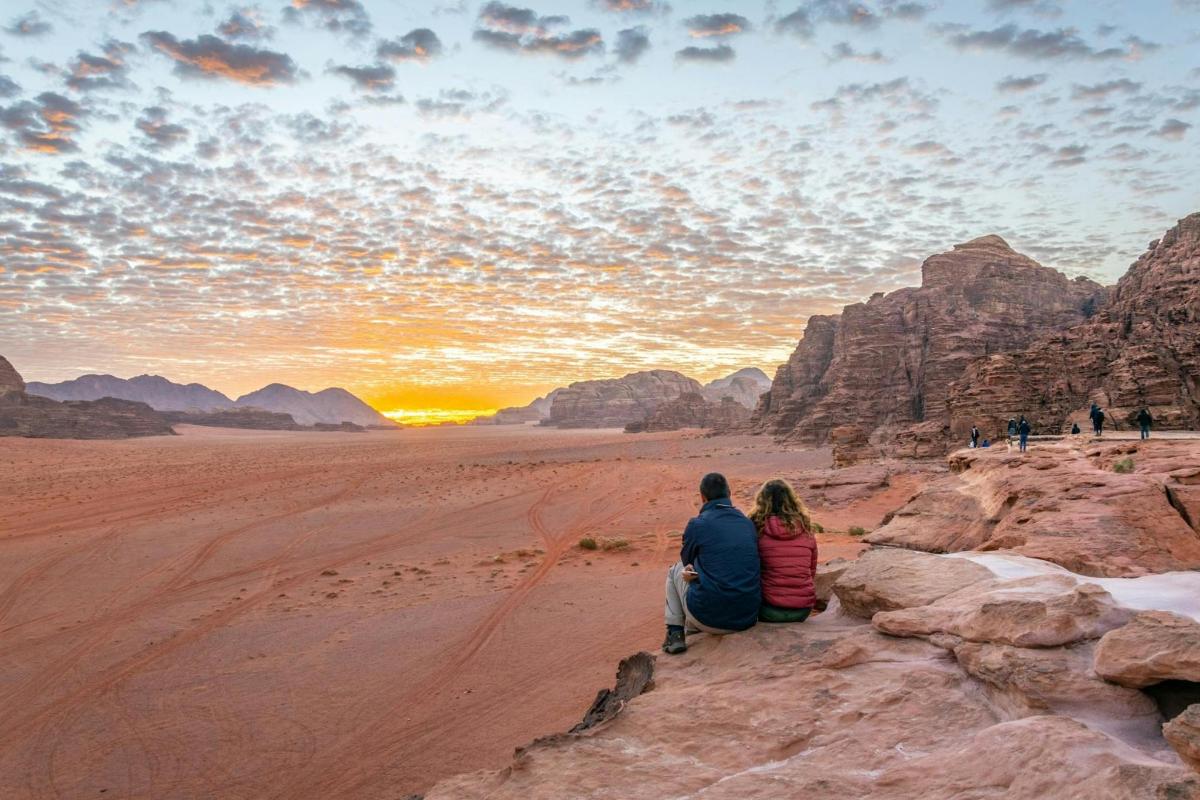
452 207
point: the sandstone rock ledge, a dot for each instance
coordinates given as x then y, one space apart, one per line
962 701
985 673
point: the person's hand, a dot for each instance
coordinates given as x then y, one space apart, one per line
690 574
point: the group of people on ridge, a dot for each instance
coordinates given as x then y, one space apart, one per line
734 570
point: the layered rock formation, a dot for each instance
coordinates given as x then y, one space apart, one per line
888 363
1142 347
745 386
23 414
246 418
153 390
618 402
1061 503
979 675
693 410
536 411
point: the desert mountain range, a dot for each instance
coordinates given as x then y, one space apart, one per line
330 406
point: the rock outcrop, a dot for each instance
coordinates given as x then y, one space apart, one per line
927 676
1062 503
889 580
31 416
1183 732
887 364
1156 646
1141 347
745 386
618 402
536 411
692 410
153 390
246 418
10 379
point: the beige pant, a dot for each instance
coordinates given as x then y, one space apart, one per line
676 612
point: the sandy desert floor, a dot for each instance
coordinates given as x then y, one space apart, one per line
245 614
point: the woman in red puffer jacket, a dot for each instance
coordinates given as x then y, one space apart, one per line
788 551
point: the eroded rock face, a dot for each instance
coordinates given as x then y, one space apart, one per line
1156 646
1059 503
619 402
851 446
10 379
42 418
887 579
745 387
829 710
1183 733
1040 611
36 417
1142 347
692 410
890 361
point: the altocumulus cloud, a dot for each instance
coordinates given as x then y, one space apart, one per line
47 124
211 57
375 78
522 30
720 54
420 44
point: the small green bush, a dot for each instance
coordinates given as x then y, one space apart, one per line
817 527
1124 466
857 530
588 543
616 544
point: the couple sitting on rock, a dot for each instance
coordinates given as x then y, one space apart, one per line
735 570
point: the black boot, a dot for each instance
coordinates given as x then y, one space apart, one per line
675 642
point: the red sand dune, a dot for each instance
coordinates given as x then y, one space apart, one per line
292 615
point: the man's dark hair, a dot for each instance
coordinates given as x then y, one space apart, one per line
713 486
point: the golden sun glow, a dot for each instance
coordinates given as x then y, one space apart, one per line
419 417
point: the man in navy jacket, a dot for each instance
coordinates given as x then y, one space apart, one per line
715 586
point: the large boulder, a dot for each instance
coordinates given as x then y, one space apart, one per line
1183 733
887 579
1061 679
1156 646
1038 611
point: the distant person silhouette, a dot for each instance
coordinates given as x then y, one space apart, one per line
1144 421
1023 429
787 551
974 436
1012 430
1074 428
1097 415
715 587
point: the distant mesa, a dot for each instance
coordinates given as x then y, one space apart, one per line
617 402
29 415
328 407
637 398
745 386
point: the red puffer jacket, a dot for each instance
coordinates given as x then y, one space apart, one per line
789 563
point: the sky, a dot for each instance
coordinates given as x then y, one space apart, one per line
450 207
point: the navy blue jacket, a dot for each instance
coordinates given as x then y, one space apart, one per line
722 545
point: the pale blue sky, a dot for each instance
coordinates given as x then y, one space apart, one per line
540 201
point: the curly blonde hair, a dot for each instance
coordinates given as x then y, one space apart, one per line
777 498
